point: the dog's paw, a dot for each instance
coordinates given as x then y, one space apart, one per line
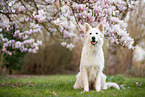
86 91
98 89
75 87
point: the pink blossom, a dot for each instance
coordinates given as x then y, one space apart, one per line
70 46
63 44
39 42
4 39
18 45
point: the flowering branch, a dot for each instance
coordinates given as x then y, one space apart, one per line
63 20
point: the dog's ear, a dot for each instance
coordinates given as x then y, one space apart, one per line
87 27
101 27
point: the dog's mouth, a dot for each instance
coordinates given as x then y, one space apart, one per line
93 42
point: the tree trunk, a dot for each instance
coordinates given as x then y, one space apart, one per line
1 63
123 60
110 68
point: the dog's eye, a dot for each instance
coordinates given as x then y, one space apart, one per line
90 33
96 33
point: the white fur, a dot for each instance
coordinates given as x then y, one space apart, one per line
92 62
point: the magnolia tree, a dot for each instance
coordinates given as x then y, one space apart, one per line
62 19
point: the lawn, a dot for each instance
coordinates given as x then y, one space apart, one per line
62 86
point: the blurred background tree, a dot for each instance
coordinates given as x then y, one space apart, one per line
14 62
53 57
137 31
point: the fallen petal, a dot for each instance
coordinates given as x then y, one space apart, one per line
53 93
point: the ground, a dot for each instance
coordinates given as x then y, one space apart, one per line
62 86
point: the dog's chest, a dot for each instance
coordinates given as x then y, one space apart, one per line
92 58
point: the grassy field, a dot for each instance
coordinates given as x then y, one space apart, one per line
62 86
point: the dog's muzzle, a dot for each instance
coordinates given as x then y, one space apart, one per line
93 42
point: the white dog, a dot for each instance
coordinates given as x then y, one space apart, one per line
92 62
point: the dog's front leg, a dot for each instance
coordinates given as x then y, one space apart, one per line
98 82
85 80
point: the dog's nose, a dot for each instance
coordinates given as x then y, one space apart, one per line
93 38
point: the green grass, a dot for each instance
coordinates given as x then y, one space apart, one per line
62 85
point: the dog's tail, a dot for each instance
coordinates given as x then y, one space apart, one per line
114 85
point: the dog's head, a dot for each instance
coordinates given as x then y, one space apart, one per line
94 36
